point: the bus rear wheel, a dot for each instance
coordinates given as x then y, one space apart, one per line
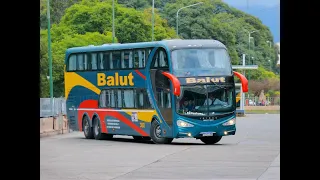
211 140
87 130
98 135
155 134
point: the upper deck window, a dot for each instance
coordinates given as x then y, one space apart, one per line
201 62
109 60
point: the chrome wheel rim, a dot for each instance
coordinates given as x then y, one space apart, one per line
158 131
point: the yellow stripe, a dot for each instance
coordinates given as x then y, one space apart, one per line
142 116
72 79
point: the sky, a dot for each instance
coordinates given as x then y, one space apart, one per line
268 11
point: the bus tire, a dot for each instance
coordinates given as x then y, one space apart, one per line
155 134
87 130
98 135
211 140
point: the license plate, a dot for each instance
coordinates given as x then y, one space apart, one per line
207 133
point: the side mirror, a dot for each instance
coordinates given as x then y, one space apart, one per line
244 81
175 83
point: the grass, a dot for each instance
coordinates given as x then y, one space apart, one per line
262 111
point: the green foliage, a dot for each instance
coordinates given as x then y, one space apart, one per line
216 20
85 22
58 55
130 25
261 74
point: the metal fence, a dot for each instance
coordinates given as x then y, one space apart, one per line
59 107
270 101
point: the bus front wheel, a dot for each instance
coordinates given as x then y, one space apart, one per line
155 134
211 140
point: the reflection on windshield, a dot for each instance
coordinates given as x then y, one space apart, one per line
201 62
205 100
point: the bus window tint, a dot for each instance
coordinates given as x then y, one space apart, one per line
126 61
80 62
116 58
139 58
94 64
72 63
128 99
201 62
106 60
101 64
163 60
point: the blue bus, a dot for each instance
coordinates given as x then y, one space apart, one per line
155 91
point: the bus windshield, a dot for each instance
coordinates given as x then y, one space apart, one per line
204 100
201 62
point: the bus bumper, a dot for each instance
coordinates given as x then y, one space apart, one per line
203 129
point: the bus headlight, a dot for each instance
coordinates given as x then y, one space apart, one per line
181 123
230 122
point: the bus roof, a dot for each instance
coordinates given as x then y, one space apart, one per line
171 44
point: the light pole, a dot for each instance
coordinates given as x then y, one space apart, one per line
113 33
50 57
152 20
250 38
177 23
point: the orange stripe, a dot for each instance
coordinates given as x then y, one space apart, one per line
140 74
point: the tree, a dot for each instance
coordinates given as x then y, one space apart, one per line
58 56
130 24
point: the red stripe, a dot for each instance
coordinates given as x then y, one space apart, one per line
94 104
128 122
140 74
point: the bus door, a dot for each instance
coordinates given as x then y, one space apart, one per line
161 89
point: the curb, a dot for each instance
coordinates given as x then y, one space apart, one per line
53 133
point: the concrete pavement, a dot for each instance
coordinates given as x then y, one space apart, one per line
253 153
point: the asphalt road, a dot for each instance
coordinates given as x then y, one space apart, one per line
253 153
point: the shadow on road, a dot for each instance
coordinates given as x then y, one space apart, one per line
127 140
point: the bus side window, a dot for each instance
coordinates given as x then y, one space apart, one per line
94 63
139 58
115 61
101 64
87 60
104 100
106 60
112 98
119 98
126 59
72 65
80 62
163 59
128 98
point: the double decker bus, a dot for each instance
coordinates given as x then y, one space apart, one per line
152 90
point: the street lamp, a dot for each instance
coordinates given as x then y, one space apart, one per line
250 38
152 20
50 57
181 9
113 33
